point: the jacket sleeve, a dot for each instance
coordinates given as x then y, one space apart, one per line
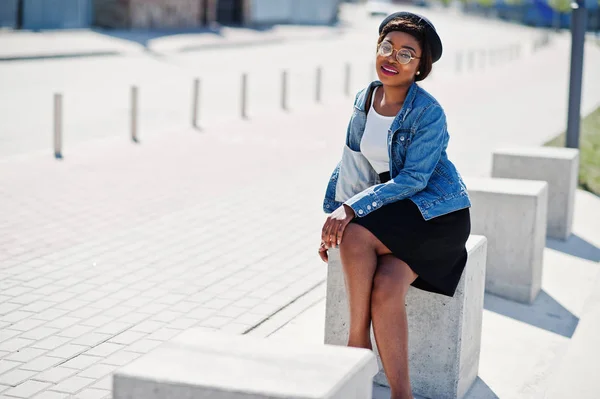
329 202
428 143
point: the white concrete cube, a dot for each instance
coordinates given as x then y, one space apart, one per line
200 364
512 215
444 332
559 167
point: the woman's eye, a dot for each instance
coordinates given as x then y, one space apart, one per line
405 57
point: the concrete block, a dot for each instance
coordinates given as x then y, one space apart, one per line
512 215
444 333
558 167
200 364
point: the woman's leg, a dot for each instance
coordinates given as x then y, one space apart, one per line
359 250
390 325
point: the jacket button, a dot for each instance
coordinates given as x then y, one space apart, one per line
360 212
369 207
374 203
401 138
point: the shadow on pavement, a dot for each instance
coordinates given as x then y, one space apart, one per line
545 312
575 246
144 36
479 390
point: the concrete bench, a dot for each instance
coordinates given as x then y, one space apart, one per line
558 167
512 215
444 333
200 364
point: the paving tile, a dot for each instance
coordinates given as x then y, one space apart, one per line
73 384
148 326
6 334
81 362
6 365
50 314
164 334
183 323
25 354
217 321
15 316
113 327
127 337
97 321
52 395
92 339
93 393
98 371
40 333
55 374
104 383
27 324
68 351
8 307
15 377
143 346
63 322
75 331
121 358
51 342
27 389
104 349
38 306
42 363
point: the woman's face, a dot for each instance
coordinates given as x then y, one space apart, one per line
389 70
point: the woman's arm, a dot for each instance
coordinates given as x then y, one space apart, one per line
430 139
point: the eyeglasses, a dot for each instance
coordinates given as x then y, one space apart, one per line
403 56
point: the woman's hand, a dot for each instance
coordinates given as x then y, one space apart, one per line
333 229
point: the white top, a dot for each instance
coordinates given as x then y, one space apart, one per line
374 140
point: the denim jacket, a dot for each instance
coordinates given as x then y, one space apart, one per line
419 166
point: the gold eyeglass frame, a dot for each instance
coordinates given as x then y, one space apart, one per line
406 51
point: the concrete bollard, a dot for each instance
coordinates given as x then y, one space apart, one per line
195 102
284 90
512 215
199 364
244 96
558 167
58 109
347 79
134 114
318 84
459 61
444 333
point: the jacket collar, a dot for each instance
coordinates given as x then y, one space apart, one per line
406 107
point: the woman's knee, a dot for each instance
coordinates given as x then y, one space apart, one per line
356 238
391 281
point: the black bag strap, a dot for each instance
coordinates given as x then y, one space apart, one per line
369 98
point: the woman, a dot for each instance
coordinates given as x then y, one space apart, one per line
399 208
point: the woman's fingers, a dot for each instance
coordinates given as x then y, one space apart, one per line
326 231
340 233
323 254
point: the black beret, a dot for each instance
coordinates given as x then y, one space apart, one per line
431 36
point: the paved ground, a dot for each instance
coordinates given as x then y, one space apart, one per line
118 247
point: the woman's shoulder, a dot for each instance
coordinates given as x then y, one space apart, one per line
425 99
361 97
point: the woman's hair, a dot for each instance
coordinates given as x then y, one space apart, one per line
413 28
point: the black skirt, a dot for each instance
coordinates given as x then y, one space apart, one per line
434 249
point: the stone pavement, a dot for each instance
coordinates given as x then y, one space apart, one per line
120 247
